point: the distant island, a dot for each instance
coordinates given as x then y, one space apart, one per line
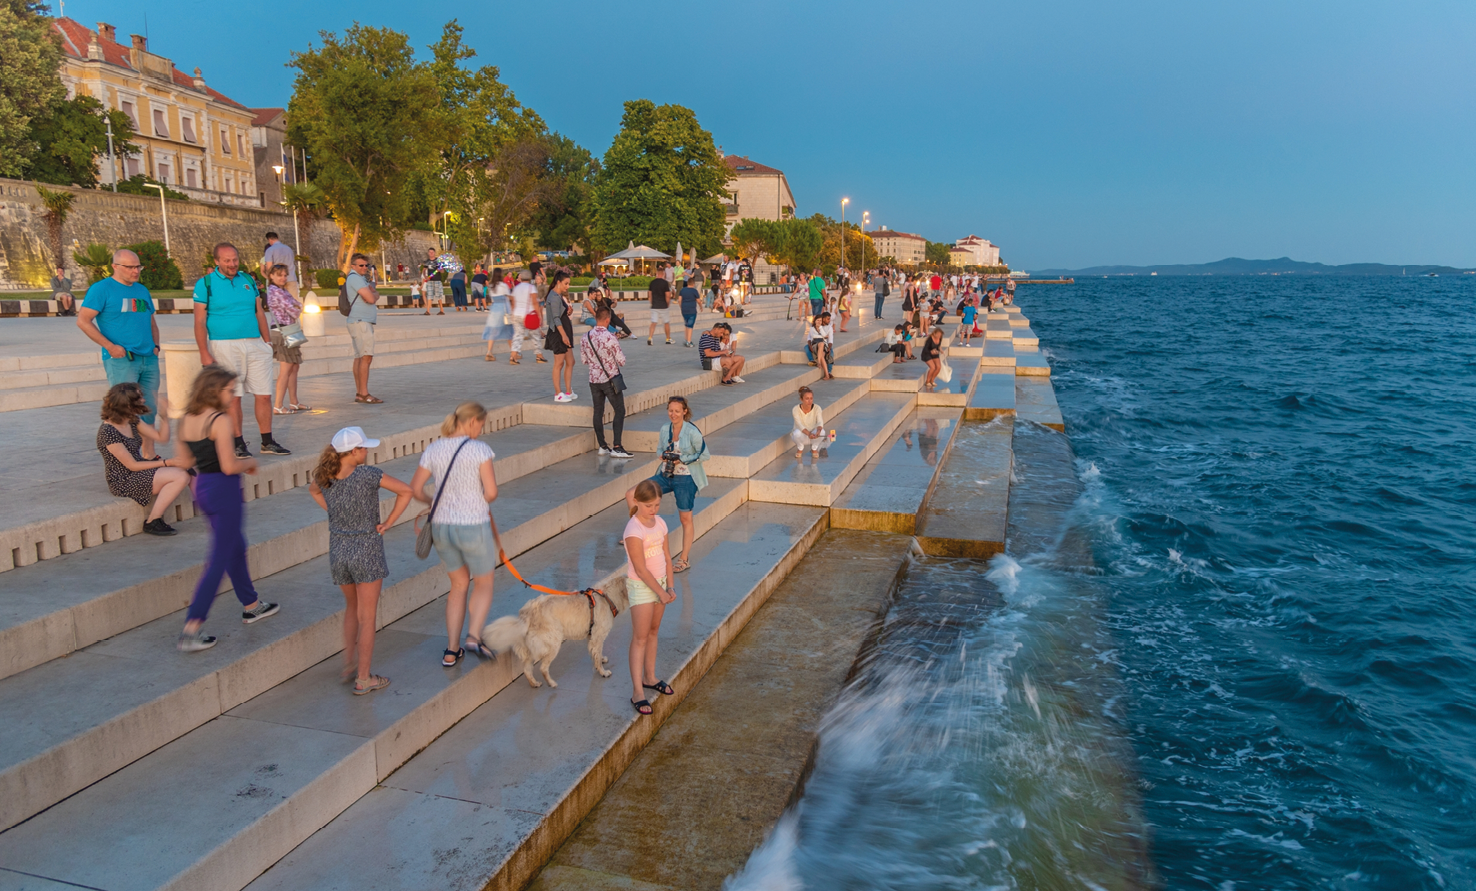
1237 266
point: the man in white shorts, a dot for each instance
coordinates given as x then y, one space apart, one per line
660 304
231 330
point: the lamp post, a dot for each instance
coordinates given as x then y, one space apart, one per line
865 221
296 233
844 202
164 214
112 160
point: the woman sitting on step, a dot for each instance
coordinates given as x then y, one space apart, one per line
133 467
809 425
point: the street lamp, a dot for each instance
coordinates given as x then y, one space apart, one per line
445 228
865 222
164 213
296 232
844 202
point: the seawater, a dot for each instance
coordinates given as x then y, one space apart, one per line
1231 645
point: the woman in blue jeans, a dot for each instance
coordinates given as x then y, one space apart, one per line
208 444
683 475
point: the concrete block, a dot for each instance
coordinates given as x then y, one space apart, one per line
890 491
742 449
993 394
969 509
1036 401
1032 364
861 430
998 352
900 377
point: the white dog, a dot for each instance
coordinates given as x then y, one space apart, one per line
544 623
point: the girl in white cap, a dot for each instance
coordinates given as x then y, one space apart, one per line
348 489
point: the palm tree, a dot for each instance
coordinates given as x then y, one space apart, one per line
58 205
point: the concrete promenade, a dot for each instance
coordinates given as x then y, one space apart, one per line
124 764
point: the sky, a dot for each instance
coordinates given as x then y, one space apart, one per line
1071 133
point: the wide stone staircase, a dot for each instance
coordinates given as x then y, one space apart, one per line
127 765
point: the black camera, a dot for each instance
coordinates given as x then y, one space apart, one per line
669 460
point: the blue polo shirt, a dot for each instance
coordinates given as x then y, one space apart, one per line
125 315
230 306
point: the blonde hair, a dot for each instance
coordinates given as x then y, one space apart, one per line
329 464
646 491
464 412
205 391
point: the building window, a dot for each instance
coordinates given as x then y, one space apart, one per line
241 144
187 128
229 186
163 172
190 178
128 109
130 167
225 141
161 127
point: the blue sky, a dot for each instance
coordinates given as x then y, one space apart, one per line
1069 132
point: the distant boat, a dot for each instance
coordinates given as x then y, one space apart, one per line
1432 275
1152 273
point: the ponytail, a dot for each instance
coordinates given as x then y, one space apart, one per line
329 463
645 490
464 412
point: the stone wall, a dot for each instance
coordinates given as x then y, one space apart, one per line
113 220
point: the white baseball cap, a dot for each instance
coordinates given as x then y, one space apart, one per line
350 438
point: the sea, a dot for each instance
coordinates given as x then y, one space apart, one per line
1232 642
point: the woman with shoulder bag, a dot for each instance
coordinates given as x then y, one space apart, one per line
683 450
459 523
284 313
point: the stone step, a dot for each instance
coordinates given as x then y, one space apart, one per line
998 329
955 391
968 512
63 605
861 365
1035 400
231 845
889 493
510 782
1032 364
128 695
994 394
720 406
901 377
1024 337
998 352
862 339
743 448
861 430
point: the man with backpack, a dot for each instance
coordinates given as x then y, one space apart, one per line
357 300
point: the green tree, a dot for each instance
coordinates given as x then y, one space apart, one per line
487 139
136 185
936 253
661 182
29 82
71 135
563 218
799 245
755 238
97 259
368 115
159 271
58 204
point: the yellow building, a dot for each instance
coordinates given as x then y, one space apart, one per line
904 247
960 257
192 137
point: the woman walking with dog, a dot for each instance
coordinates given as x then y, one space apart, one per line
647 585
461 524
348 489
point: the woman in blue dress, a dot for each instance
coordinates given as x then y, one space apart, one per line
499 315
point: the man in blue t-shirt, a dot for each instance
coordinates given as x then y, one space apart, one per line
363 316
118 315
691 299
231 331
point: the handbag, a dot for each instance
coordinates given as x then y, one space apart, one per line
530 321
292 335
616 380
423 533
945 372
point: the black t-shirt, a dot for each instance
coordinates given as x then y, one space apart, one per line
745 272
930 350
480 278
660 289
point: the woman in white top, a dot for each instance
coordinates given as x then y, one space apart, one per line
461 525
809 424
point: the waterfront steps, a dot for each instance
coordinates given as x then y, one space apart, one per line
278 803
889 492
968 512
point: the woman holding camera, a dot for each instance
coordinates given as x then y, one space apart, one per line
682 452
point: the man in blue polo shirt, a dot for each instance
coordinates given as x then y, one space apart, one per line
231 330
118 315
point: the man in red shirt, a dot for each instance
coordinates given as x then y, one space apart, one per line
935 283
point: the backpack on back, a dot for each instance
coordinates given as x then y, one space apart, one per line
345 303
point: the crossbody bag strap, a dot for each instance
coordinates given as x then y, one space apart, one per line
432 513
593 348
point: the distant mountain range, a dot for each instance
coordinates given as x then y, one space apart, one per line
1237 266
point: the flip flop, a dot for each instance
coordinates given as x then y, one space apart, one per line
661 687
642 707
376 682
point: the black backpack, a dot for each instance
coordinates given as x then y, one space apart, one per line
345 303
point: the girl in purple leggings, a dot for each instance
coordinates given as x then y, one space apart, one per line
208 444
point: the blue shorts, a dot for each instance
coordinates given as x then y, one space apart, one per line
469 546
689 321
683 487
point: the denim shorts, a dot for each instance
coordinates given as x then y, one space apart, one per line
469 546
683 487
689 320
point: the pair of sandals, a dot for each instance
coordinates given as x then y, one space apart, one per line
366 399
644 706
350 675
471 643
291 409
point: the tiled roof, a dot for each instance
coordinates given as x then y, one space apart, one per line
744 167
76 37
893 233
264 116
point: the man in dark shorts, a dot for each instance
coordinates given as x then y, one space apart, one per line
560 338
660 304
691 300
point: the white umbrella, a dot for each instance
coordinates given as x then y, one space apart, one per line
679 252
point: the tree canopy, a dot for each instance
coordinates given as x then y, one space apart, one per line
662 182
564 217
367 114
71 135
29 84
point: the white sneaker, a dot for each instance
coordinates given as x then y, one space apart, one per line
570 397
559 397
602 451
739 380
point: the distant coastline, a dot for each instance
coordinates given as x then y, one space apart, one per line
1282 266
